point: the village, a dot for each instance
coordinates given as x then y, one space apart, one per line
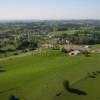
41 36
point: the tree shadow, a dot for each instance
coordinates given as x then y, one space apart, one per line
76 91
73 90
91 76
1 66
98 71
60 93
12 97
2 70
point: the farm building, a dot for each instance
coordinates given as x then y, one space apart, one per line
74 53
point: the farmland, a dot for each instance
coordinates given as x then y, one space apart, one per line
40 76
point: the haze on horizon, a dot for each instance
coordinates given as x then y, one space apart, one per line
49 9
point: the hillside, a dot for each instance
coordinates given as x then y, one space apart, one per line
40 76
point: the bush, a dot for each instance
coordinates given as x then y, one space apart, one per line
16 53
64 50
25 50
86 53
56 47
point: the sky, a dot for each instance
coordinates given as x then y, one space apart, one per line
49 9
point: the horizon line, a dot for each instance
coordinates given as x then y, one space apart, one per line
46 19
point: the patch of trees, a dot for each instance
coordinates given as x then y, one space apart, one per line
83 37
28 45
64 27
86 37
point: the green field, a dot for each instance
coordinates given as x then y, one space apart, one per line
40 76
88 85
97 46
64 32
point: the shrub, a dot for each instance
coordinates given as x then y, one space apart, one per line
86 53
64 50
16 53
56 47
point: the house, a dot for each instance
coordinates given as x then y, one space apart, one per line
74 53
86 46
67 42
97 50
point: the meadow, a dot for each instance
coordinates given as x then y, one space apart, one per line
40 76
70 32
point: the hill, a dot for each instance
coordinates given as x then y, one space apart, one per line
40 76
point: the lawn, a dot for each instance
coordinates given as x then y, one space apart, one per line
40 76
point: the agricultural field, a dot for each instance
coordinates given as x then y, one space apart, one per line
40 76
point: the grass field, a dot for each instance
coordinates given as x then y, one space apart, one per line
65 32
88 85
40 76
96 46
